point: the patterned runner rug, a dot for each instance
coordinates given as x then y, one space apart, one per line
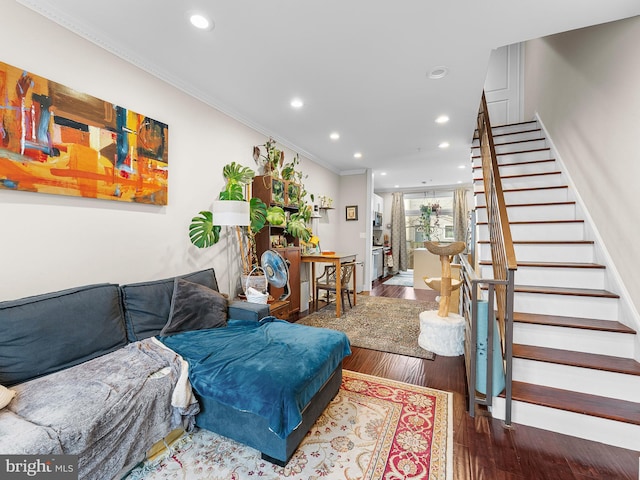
402 279
374 429
379 323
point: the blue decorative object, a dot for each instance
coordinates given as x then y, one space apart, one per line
498 378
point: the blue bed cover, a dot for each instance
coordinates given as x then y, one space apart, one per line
270 368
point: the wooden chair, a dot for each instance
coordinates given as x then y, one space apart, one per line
327 282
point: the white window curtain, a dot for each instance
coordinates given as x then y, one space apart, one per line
398 234
460 215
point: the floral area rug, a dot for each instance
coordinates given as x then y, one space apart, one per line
379 323
374 429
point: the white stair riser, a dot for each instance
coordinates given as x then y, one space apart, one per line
521 169
540 231
555 276
581 253
530 196
575 339
513 147
570 305
534 212
506 159
527 181
577 379
609 432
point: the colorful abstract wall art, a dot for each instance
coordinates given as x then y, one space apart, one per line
56 140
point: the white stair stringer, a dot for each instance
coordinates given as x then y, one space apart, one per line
546 228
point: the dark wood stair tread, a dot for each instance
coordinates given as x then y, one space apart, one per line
525 222
518 164
583 403
544 149
593 361
525 189
541 204
553 264
522 175
514 142
572 322
578 292
546 242
517 132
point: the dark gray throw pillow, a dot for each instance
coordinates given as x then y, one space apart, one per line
194 307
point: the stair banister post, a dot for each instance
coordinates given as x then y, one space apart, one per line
473 348
509 346
490 326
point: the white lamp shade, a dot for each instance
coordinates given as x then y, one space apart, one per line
231 212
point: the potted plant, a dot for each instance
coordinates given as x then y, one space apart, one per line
203 232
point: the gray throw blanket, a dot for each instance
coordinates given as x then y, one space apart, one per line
109 410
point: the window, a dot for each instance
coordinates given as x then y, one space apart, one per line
428 216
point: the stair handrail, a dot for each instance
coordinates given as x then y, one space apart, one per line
503 257
504 266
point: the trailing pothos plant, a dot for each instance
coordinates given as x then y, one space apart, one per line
203 232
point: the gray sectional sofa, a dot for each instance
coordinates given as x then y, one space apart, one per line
93 377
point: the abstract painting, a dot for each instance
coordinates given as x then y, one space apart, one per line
56 140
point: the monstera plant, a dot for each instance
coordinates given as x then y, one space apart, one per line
203 232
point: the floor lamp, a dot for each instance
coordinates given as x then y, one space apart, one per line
231 213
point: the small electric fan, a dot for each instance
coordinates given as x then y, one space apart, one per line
277 272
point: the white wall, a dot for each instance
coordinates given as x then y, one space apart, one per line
585 86
355 236
51 242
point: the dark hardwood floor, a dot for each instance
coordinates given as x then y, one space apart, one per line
483 448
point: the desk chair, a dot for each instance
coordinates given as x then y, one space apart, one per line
327 282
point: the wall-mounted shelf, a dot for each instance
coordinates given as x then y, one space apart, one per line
326 208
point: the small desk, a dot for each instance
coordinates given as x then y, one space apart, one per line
336 259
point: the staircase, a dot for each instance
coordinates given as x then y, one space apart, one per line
573 366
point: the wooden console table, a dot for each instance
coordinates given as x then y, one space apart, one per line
335 259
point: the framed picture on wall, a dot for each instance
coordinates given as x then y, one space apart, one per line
351 212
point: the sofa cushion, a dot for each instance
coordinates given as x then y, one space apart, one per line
194 307
147 304
46 333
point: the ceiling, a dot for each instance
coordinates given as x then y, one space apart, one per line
360 67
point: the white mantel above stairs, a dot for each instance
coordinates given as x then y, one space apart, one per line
573 368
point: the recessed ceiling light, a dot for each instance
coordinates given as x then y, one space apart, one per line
442 119
459 181
334 136
200 21
462 166
444 145
438 72
383 173
297 103
357 155
396 186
